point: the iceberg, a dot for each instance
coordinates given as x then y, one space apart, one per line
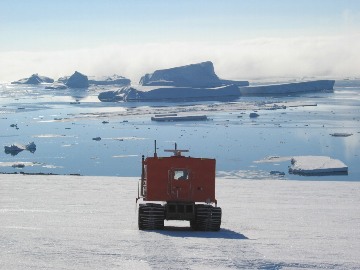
190 82
317 165
34 79
109 80
170 93
286 88
77 80
194 75
199 82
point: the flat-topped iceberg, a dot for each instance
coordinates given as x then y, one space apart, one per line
200 75
34 79
170 93
286 88
317 165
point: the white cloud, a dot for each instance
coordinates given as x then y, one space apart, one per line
335 56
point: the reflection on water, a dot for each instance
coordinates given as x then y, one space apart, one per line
63 132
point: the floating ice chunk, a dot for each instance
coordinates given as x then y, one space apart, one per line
18 165
31 146
341 134
277 173
179 118
14 149
317 165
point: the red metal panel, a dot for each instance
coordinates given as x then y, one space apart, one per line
163 186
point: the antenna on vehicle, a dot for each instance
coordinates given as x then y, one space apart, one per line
155 154
176 152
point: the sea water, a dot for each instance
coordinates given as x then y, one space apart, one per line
64 123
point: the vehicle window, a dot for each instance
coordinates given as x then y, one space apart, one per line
181 175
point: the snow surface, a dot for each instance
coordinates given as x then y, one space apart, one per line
316 165
72 222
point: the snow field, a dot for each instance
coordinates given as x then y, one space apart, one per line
72 222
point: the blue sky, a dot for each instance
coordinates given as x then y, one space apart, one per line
244 39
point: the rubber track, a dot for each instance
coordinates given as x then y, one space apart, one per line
208 218
151 217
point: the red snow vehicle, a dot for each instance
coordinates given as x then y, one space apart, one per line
178 188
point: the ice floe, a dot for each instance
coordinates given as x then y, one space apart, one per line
317 165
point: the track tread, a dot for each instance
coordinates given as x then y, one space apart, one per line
208 218
151 216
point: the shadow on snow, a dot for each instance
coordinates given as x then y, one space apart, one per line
188 232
